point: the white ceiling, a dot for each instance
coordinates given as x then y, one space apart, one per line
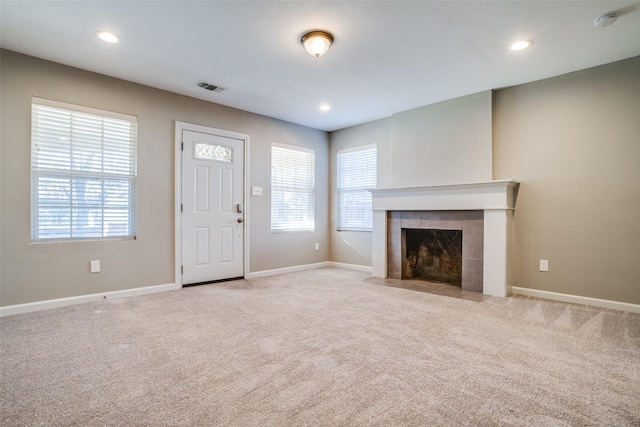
388 56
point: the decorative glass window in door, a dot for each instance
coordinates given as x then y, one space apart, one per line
209 151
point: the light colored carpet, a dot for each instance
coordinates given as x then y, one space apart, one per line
326 347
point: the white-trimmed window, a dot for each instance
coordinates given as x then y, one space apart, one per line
292 188
357 173
83 173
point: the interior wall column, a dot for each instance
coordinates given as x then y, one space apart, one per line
379 243
496 252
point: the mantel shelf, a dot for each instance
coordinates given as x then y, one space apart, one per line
489 195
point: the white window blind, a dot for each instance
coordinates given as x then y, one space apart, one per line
83 172
357 172
292 188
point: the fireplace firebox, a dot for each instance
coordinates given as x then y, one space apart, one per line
457 250
432 255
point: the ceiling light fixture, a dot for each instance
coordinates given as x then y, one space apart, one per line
604 20
107 36
522 44
325 107
317 42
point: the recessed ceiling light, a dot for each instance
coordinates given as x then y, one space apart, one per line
522 44
325 107
107 36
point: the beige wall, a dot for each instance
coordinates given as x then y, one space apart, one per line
354 247
56 270
574 143
444 143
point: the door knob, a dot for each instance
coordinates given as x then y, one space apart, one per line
240 220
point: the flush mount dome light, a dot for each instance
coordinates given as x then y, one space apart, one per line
107 36
522 44
324 107
317 42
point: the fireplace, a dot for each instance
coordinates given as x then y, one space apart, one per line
483 211
467 225
432 255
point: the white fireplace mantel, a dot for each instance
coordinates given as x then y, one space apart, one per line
497 200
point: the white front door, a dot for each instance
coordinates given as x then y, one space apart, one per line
212 207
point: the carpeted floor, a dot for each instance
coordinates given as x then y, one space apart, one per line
326 347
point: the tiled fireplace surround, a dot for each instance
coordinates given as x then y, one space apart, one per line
483 209
471 224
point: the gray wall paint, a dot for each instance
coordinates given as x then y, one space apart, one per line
56 270
574 143
354 247
444 143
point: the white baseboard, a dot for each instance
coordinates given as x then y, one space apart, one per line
363 268
284 270
293 269
80 299
576 299
63 302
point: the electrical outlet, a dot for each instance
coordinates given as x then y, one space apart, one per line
544 265
317 246
95 266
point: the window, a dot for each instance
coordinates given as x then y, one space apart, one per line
357 171
83 173
292 188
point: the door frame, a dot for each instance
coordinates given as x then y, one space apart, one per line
182 126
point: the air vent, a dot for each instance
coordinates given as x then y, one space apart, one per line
209 86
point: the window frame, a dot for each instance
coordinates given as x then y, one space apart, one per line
306 185
92 197
361 190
